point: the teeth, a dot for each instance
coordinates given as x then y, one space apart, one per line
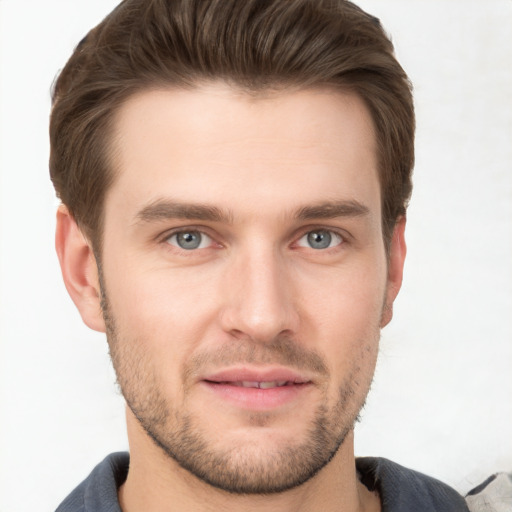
262 385
250 384
267 385
257 384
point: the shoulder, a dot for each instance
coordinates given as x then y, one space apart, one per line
98 492
493 495
404 490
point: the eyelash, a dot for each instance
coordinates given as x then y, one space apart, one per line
192 229
342 238
333 235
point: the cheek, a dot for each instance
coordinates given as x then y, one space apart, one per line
343 319
346 300
166 312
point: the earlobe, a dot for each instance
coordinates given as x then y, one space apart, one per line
79 269
397 253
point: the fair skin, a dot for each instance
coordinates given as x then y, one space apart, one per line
246 283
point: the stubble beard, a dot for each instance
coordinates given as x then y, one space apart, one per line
239 469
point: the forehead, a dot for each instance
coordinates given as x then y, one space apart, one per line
218 145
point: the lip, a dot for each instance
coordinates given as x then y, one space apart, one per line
268 374
227 386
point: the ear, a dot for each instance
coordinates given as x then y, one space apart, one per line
397 252
79 269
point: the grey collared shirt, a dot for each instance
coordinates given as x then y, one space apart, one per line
400 489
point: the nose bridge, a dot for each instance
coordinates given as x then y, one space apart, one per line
260 302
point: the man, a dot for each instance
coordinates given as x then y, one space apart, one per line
234 179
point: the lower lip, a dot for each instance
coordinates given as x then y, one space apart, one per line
257 398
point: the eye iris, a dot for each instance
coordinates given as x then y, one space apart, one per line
319 239
189 240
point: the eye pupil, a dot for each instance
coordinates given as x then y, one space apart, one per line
319 239
189 240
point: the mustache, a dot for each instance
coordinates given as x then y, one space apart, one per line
281 350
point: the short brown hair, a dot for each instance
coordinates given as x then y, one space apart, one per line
258 45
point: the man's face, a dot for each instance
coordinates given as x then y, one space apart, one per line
244 277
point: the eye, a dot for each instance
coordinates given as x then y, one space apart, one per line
320 239
189 240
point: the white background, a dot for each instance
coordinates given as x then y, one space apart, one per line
442 398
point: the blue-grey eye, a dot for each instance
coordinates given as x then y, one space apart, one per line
189 240
320 239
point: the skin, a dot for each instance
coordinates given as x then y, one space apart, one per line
255 296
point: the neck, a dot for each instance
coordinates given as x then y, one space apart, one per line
156 482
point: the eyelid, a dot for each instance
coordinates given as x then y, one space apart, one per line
338 233
164 237
204 243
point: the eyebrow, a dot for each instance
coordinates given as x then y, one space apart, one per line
167 209
332 210
164 209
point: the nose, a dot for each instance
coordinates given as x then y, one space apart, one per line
259 297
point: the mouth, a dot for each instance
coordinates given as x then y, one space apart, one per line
270 384
253 389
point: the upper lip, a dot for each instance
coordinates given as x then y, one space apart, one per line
247 374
